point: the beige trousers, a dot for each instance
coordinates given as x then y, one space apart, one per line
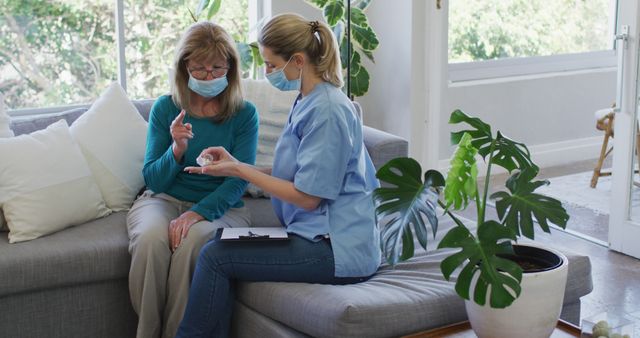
159 280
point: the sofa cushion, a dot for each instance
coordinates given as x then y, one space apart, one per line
262 214
5 131
95 251
411 297
112 136
29 124
37 202
397 301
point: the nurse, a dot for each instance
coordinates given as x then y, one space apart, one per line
320 185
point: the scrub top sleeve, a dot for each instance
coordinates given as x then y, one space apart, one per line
323 155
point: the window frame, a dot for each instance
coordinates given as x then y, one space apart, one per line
532 65
538 65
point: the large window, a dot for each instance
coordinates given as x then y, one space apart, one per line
55 52
61 52
482 32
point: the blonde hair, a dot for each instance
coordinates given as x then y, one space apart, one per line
203 42
286 34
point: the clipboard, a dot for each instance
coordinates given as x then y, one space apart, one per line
254 234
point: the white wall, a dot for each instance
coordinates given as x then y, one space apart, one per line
387 104
552 114
296 6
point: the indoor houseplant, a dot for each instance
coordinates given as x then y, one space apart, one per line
488 275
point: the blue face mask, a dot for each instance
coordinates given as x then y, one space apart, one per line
208 88
280 81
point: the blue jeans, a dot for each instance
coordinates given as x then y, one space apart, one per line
220 264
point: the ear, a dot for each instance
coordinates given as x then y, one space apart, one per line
299 59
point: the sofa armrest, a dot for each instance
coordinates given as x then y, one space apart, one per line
383 146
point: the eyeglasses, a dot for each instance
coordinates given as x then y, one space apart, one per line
202 73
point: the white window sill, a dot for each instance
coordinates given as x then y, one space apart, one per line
510 69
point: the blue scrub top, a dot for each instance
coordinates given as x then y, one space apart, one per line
321 151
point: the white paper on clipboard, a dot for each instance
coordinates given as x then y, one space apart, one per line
254 233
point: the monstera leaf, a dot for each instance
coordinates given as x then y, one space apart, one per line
511 155
497 276
404 205
507 153
461 181
518 209
481 134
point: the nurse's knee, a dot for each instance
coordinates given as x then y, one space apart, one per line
213 256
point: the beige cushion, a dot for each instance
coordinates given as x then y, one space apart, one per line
112 136
273 108
5 131
46 184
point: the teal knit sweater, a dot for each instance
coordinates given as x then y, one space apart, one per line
212 196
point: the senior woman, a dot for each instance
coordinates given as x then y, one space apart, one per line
179 212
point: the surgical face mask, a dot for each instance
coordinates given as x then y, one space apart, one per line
280 81
208 88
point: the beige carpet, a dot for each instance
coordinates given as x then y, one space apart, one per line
574 191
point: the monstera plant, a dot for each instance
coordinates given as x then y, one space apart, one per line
411 200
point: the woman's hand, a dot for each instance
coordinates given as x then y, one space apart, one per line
180 133
179 228
223 164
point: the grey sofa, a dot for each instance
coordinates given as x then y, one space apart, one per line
74 283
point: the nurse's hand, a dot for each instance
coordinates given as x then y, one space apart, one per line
223 164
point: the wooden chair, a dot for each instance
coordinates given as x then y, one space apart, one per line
604 122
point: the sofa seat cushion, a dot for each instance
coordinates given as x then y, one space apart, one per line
91 252
408 298
411 297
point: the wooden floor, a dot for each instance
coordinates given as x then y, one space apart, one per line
616 277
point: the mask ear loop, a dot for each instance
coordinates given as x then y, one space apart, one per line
300 79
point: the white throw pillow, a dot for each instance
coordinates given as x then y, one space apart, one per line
5 131
112 136
273 108
46 184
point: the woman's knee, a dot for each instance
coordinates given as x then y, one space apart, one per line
152 241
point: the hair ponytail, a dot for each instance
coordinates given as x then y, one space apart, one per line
328 62
286 34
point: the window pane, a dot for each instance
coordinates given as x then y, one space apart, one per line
489 29
153 29
55 52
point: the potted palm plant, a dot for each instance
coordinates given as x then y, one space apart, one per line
493 273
